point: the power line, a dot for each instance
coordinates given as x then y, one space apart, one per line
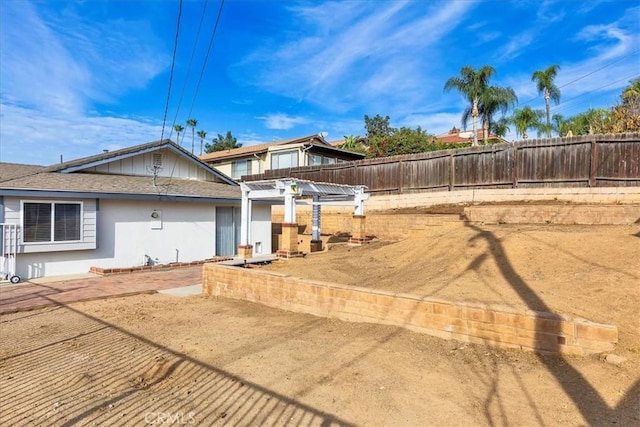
186 80
589 74
173 63
599 69
556 109
206 58
204 64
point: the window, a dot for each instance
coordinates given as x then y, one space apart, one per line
288 159
51 222
240 168
315 159
328 160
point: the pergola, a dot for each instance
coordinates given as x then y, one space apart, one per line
294 192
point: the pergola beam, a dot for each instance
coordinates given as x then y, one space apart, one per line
289 190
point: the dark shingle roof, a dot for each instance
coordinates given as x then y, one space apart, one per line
121 184
258 148
14 170
68 177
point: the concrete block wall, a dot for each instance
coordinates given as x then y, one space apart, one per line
611 205
500 326
554 214
578 195
385 226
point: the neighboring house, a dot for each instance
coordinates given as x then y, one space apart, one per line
457 136
154 203
289 153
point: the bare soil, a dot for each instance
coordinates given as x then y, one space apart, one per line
162 360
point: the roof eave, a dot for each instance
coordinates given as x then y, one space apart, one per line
23 192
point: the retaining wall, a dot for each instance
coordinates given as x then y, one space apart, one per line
500 326
391 225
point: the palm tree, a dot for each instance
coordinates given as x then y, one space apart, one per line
353 143
493 99
560 125
472 84
221 143
546 86
192 123
202 135
500 127
526 118
178 129
632 90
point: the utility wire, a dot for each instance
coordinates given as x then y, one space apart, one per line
186 80
204 64
206 58
588 74
173 63
599 69
556 109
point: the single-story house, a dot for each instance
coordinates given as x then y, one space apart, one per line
289 153
154 203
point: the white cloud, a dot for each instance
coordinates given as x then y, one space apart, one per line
352 53
250 138
515 46
66 63
281 121
56 65
27 135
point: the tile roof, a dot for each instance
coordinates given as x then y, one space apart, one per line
255 149
462 136
120 184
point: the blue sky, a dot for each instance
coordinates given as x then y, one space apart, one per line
80 77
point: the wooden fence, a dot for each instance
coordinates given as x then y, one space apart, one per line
583 161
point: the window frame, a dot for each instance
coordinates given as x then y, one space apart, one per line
277 155
315 159
248 168
52 204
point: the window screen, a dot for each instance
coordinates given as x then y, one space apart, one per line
240 168
284 160
51 222
315 159
67 222
37 222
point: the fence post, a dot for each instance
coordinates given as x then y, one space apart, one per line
401 172
515 166
593 163
452 172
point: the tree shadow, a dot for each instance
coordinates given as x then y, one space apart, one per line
589 402
106 375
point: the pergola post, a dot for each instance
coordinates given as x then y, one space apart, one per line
316 240
245 250
358 220
289 246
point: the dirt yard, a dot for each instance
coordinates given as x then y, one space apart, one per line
162 360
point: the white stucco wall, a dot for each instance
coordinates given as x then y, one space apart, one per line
125 236
260 236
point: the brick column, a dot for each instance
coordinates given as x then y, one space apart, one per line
289 243
358 230
316 246
245 251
